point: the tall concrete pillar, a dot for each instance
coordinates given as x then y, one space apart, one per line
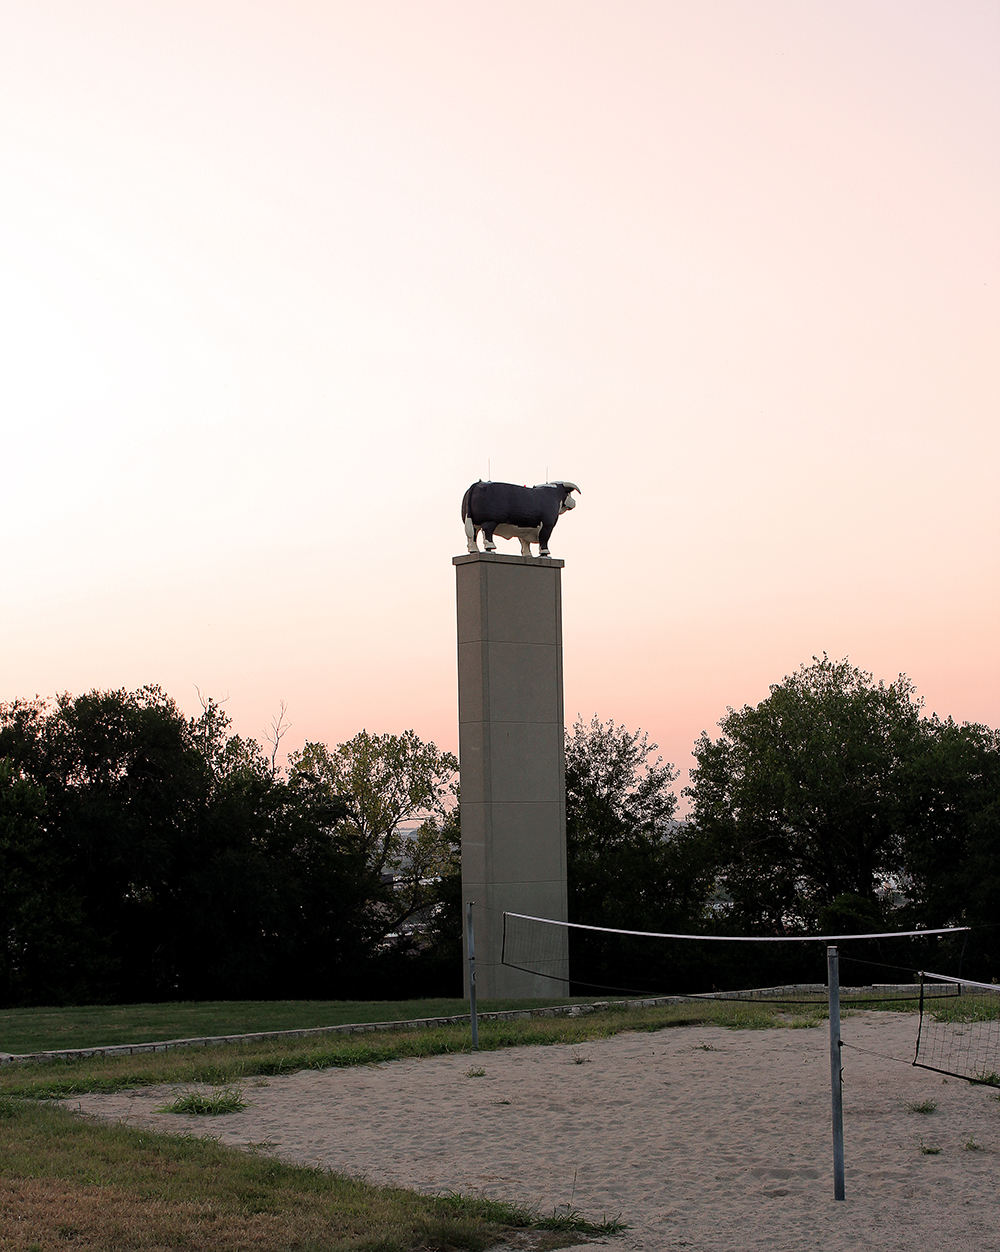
511 749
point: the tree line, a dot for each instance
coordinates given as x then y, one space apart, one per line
146 855
832 807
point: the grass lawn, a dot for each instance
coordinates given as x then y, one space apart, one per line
94 1025
230 1063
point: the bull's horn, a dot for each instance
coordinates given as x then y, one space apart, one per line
558 482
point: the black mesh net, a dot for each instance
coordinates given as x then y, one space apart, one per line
960 1033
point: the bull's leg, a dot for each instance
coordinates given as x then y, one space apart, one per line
470 532
488 543
543 540
525 546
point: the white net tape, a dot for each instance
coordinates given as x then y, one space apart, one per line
639 962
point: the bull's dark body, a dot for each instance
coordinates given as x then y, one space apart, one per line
493 504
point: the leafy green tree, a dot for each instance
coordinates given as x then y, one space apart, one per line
445 926
951 855
121 783
807 798
630 864
40 915
266 902
193 869
145 855
619 819
388 781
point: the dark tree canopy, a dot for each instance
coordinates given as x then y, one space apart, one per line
630 865
805 797
40 917
951 867
145 855
122 784
148 856
388 781
835 806
619 818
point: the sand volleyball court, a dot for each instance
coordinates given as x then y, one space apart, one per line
699 1137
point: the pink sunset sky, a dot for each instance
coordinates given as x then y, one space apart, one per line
281 280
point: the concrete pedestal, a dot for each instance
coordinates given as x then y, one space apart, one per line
511 747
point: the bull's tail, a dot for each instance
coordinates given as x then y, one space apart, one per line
470 525
467 503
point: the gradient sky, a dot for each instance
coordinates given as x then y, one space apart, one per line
281 280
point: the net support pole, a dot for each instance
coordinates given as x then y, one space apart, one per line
472 981
836 1073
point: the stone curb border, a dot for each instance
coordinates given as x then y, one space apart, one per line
356 1028
423 1023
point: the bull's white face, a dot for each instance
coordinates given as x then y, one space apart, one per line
569 502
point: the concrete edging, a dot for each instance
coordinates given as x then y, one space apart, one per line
354 1028
429 1023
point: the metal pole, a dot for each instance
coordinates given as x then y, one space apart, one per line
836 1074
472 982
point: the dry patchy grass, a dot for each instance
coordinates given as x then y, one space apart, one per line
69 1182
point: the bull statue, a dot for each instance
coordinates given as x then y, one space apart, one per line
525 513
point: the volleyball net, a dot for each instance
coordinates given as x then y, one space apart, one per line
958 1029
959 1034
779 968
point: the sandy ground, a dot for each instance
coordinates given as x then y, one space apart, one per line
699 1137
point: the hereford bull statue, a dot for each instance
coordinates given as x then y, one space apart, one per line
525 513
